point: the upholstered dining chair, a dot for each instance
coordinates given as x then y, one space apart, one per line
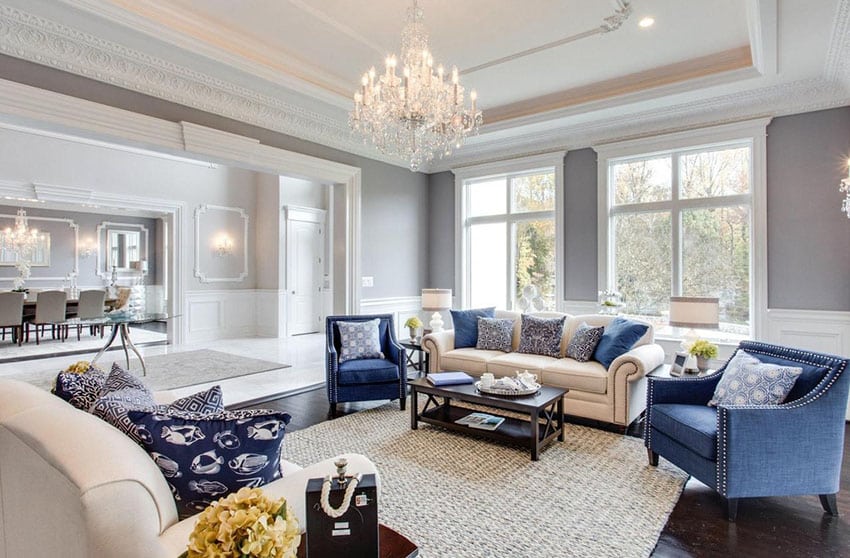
49 310
12 315
91 305
747 451
365 379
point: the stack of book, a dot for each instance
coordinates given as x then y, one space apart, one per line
449 378
482 421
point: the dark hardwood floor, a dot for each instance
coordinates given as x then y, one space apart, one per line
769 527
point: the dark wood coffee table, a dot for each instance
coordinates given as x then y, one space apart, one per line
547 404
393 544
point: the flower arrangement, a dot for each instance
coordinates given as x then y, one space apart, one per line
702 348
81 367
413 322
246 524
24 272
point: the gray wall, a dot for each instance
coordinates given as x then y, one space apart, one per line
808 258
394 202
807 234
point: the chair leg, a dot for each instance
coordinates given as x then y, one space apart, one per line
332 411
732 509
402 402
653 457
829 503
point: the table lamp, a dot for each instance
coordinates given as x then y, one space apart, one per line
435 300
694 313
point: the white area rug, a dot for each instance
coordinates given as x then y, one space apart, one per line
453 495
172 370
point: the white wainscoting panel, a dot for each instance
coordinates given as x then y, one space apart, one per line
400 307
271 312
219 314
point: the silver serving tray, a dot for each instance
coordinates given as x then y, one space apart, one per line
507 392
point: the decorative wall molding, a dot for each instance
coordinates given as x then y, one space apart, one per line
204 276
271 312
837 66
220 314
401 308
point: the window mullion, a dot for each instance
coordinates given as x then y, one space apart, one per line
676 228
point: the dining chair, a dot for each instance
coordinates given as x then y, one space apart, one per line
91 305
12 315
49 310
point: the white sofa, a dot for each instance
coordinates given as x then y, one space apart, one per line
73 486
616 395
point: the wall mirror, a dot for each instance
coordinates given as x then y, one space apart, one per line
123 247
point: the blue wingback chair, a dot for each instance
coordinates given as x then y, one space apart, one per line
746 451
365 379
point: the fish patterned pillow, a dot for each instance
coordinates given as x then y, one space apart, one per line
113 407
203 459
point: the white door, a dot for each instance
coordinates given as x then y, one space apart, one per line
305 248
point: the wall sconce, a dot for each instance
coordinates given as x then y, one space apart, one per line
87 248
844 188
223 246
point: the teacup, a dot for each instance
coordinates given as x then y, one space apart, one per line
487 379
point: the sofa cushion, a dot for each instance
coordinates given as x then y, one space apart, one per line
495 334
359 340
693 426
511 363
619 336
80 390
541 336
465 324
569 373
468 360
584 342
205 458
367 371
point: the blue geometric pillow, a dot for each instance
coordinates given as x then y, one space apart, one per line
465 324
541 336
584 342
119 379
747 383
113 407
494 334
80 390
619 336
205 458
359 340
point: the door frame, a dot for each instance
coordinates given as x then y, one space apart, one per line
292 214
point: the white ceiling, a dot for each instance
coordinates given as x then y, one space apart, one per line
299 60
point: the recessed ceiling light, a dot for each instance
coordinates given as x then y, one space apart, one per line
646 22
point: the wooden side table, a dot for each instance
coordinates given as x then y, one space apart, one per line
422 361
663 371
392 544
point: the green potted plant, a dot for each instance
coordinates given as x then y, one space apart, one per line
703 350
413 323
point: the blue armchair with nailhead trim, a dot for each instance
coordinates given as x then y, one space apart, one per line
747 451
366 379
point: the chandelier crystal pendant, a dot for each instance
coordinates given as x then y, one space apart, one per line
21 239
844 188
420 114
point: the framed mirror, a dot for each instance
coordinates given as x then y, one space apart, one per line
122 246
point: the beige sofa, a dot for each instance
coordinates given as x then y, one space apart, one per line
73 486
616 395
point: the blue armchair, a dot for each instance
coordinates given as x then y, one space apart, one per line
747 451
365 379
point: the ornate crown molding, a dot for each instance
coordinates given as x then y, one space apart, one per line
837 66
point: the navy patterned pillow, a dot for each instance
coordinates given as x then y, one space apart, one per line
541 336
745 382
119 379
80 390
205 458
113 407
359 340
584 342
495 334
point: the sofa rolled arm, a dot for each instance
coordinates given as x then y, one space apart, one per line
438 344
636 363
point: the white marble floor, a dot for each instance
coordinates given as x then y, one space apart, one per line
304 354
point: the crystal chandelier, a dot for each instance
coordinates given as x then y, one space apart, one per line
21 240
844 188
421 114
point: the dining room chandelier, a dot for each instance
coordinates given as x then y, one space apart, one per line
421 114
21 239
844 188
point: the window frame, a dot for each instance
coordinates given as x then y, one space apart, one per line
752 133
509 169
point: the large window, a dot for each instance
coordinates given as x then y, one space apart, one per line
509 249
680 224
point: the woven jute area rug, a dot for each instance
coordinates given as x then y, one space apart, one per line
459 496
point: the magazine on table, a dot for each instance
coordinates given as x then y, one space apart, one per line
482 421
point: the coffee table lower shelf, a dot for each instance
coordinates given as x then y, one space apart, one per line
512 430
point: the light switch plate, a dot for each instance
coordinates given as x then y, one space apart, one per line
368 281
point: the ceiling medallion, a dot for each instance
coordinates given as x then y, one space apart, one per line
420 115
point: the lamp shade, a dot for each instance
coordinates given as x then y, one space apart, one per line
694 312
434 300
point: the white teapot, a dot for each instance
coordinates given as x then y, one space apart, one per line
527 377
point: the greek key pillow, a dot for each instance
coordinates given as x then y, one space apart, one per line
584 342
359 340
541 336
745 382
495 334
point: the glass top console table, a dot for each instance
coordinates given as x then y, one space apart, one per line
121 323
